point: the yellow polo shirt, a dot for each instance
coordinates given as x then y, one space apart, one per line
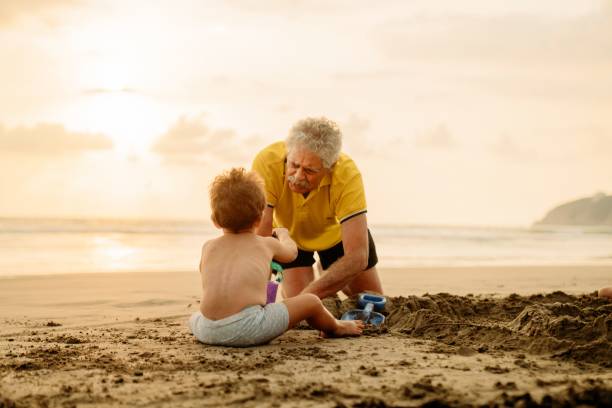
313 222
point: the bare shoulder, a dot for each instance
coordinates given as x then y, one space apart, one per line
208 244
207 248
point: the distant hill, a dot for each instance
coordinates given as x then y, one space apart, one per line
591 211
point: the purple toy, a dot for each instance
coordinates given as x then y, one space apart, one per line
272 288
273 285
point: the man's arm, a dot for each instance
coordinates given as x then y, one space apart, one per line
265 226
354 261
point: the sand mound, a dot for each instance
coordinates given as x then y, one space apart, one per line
558 324
591 396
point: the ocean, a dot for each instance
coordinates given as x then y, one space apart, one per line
60 246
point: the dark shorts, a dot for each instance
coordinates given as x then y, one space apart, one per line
329 256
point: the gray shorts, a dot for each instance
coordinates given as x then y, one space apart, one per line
251 326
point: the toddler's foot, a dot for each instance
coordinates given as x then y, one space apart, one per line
346 328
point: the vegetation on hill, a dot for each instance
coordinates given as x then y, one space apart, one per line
590 211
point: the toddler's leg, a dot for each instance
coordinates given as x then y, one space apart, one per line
309 307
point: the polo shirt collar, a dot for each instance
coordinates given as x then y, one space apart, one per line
325 181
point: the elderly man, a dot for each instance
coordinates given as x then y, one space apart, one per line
317 193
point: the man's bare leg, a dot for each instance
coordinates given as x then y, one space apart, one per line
309 307
366 281
606 292
295 280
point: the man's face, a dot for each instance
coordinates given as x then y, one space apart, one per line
304 170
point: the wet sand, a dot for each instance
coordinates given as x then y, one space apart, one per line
102 340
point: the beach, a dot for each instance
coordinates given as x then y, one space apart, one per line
494 336
460 148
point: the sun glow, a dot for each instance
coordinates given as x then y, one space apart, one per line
113 101
117 73
130 119
112 254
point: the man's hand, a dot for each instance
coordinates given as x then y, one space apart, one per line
354 261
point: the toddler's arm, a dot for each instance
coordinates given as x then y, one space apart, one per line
283 248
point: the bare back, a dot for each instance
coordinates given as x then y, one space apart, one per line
235 269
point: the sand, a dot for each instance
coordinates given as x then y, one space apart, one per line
121 339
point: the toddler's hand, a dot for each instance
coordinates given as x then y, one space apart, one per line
280 232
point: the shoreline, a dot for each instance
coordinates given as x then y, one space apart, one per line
384 269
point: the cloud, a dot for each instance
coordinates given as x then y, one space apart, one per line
356 140
377 74
593 142
438 138
363 140
13 10
297 8
98 91
506 147
510 38
190 140
607 8
284 108
49 138
354 130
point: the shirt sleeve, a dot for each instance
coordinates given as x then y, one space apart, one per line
265 168
351 199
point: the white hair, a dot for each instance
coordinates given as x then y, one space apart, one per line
320 135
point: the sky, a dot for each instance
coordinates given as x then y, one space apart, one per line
480 112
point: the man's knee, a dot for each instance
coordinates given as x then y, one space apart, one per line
295 280
366 281
289 292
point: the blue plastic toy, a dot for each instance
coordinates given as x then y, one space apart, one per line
369 308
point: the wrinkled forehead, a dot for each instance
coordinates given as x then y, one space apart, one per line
304 157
